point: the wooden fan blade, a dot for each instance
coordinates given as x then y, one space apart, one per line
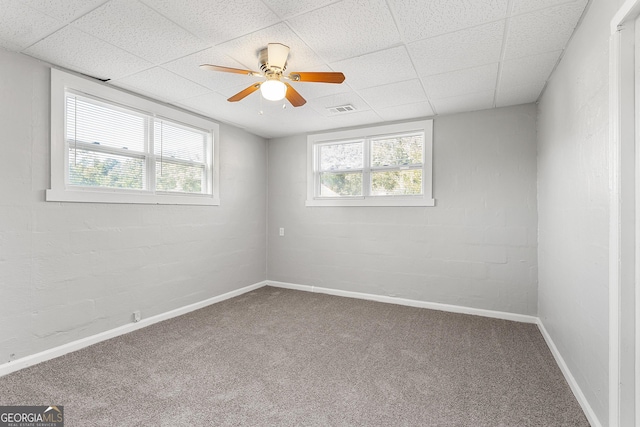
277 55
244 93
229 70
317 77
294 97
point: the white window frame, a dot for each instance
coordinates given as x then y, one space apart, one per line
366 134
61 191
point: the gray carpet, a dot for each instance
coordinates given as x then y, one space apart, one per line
281 357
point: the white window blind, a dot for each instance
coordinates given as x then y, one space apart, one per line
181 155
106 145
110 146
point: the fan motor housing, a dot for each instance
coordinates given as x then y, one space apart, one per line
265 67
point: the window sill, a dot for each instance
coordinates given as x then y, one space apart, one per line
381 201
128 198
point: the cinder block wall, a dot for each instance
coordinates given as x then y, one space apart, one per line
72 270
476 247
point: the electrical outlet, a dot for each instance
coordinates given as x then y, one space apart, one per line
136 316
281 231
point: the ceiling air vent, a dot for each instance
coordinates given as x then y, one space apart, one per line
341 109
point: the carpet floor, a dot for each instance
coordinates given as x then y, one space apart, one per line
276 357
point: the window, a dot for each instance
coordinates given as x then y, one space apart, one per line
113 147
379 166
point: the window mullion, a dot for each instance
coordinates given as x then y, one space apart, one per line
150 154
366 167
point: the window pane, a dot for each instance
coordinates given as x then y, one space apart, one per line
95 169
179 177
95 123
340 184
396 183
397 151
177 142
341 156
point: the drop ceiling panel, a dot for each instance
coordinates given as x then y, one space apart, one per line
347 28
468 102
134 27
21 25
462 49
357 118
406 111
318 90
216 21
5 44
462 82
454 48
321 104
216 105
64 10
528 70
189 68
245 49
421 19
524 6
518 94
394 94
288 8
546 30
79 51
378 68
162 84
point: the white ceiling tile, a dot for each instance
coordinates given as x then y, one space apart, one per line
524 6
217 107
21 25
216 21
407 92
79 51
161 84
6 44
136 28
378 68
189 68
546 30
348 28
289 8
357 118
517 95
318 90
463 49
461 82
64 10
528 70
406 111
468 102
245 49
321 104
420 19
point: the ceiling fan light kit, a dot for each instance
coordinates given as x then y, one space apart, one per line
273 63
273 90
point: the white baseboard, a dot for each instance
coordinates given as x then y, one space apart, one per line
52 353
575 388
33 359
409 302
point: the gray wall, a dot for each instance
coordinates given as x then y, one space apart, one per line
573 205
68 271
476 248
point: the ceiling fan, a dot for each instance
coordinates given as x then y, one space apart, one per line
273 62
